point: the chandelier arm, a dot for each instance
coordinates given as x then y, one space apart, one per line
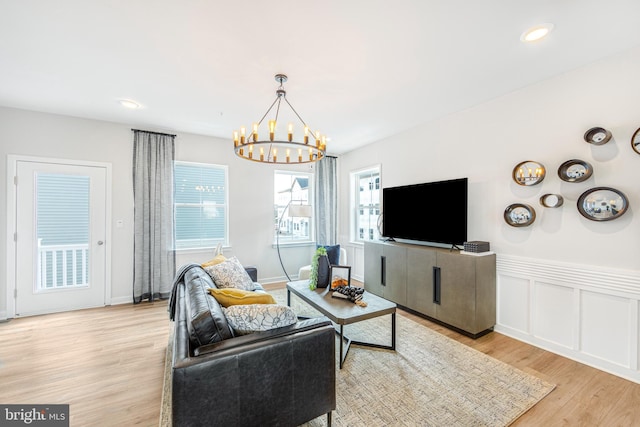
296 113
278 108
269 109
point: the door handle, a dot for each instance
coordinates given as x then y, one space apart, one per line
436 285
100 243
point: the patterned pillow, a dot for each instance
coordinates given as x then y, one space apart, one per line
245 319
215 260
230 274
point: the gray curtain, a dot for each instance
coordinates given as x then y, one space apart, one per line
326 203
154 257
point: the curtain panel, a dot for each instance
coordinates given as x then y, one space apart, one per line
154 256
326 203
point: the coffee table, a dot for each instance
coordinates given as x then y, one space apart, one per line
344 312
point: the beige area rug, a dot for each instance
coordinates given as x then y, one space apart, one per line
430 380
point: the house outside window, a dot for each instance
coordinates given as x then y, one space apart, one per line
201 203
365 196
292 189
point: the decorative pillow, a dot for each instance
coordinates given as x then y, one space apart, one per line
230 274
245 319
214 261
333 252
230 296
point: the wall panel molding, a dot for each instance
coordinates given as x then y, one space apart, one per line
600 318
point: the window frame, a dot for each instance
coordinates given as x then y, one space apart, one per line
279 207
359 231
225 205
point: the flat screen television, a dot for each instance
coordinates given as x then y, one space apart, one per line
434 212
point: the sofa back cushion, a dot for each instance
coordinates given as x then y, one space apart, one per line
206 322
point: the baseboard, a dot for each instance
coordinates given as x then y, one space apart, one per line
121 300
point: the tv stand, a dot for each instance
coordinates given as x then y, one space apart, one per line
455 289
454 247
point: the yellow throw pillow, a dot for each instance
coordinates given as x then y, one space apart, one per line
216 260
231 296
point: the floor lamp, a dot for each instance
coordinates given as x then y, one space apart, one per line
295 211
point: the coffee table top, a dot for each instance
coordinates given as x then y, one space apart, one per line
341 311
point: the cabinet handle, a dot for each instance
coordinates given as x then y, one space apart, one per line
436 285
383 270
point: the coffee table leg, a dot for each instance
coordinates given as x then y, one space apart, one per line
342 357
349 341
393 331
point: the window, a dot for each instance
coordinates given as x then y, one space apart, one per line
201 205
365 186
292 224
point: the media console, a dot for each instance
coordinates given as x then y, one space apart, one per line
453 289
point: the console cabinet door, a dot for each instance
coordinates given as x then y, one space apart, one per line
395 279
420 263
457 290
373 268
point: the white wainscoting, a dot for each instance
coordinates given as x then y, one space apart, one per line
586 313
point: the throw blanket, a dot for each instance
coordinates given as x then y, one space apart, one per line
174 291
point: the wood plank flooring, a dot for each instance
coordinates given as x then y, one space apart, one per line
108 364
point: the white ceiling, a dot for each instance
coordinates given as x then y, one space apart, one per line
359 70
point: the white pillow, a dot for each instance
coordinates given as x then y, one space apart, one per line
245 319
230 274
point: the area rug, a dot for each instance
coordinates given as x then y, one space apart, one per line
430 380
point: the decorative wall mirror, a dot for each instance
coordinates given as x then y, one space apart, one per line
635 141
519 215
602 204
551 200
597 136
528 173
575 171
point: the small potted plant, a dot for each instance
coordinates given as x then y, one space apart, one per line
319 275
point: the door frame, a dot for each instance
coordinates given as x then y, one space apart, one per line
12 170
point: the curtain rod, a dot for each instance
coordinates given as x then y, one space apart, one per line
155 133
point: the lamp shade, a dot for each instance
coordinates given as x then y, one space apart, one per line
300 211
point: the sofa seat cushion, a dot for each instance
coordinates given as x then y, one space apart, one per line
245 319
229 296
206 322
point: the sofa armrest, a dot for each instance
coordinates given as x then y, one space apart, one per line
252 272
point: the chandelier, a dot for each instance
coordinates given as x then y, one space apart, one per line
276 149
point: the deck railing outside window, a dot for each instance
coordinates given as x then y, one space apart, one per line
61 266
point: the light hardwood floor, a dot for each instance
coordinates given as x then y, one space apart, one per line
108 364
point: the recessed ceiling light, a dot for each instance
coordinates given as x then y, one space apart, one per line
127 103
536 33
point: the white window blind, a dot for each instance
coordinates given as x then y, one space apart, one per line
201 205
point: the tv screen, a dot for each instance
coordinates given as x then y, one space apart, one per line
430 212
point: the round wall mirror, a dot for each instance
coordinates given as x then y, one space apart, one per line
528 173
635 141
575 171
519 215
602 204
551 200
597 136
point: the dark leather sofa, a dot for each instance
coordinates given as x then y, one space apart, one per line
280 377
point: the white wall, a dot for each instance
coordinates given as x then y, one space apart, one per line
564 283
251 190
546 123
